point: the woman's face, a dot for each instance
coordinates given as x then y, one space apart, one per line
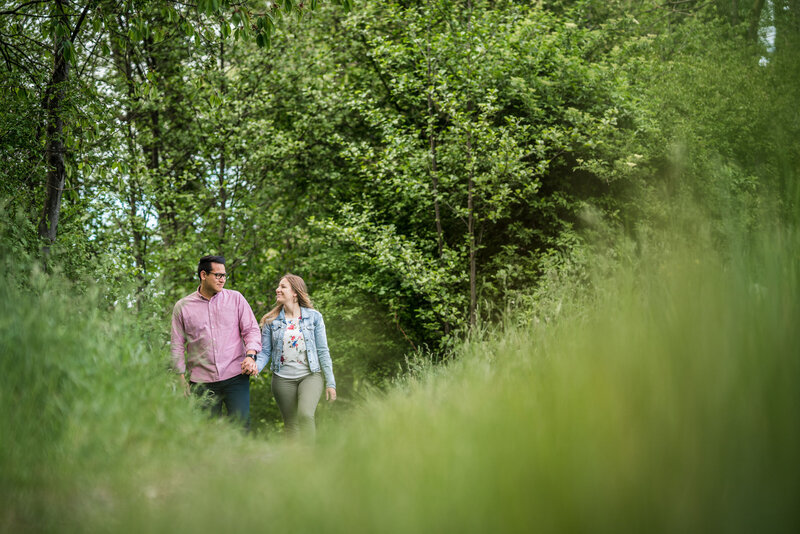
284 293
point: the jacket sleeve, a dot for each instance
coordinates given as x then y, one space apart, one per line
264 356
324 355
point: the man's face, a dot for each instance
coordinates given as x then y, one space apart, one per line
213 282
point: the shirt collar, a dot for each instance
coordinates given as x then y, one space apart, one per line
203 297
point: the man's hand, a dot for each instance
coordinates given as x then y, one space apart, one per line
249 366
184 385
330 394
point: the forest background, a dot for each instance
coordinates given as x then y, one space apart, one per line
435 170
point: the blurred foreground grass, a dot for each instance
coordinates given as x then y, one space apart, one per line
667 404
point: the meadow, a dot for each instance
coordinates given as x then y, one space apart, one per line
663 400
566 232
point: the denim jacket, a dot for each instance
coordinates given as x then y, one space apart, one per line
313 328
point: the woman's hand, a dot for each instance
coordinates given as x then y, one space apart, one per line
330 394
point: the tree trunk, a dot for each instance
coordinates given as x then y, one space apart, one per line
54 145
138 228
432 138
473 297
787 32
223 192
139 244
223 202
434 170
473 271
734 12
754 20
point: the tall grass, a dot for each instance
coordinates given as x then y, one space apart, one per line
667 404
91 421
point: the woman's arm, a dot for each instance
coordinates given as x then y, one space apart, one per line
324 355
263 357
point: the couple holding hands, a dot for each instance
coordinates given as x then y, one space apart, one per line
216 338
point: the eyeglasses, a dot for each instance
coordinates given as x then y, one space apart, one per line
220 276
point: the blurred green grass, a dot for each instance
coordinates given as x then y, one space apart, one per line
666 402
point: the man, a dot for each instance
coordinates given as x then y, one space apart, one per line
213 332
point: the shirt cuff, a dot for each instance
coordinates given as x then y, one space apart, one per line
178 364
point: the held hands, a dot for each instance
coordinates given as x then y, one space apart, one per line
249 367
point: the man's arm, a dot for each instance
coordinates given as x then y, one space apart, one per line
178 341
248 328
251 335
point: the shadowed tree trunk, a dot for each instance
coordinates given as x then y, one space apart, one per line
787 31
434 171
473 270
223 191
54 145
54 104
754 18
432 138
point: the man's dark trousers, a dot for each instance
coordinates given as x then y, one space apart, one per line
233 392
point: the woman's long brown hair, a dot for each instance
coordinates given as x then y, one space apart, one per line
299 287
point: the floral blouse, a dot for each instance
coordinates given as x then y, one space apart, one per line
294 345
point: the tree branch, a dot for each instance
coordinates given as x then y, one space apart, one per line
80 20
16 10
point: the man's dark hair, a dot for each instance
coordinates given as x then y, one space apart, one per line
206 261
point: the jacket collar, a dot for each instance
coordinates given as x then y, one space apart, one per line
304 312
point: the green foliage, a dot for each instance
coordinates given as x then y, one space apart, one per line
19 146
382 152
377 261
664 401
716 126
516 113
85 391
634 359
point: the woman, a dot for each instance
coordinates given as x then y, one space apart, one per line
293 339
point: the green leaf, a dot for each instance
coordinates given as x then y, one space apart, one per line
61 30
68 52
188 30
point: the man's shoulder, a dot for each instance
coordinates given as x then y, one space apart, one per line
232 294
191 297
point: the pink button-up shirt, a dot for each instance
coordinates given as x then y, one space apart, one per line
211 336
